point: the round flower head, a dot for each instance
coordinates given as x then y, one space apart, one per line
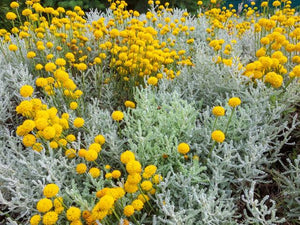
117 115
44 205
11 16
130 188
157 179
106 202
50 218
218 136
73 213
35 220
29 140
50 190
146 185
91 155
81 168
100 139
14 5
133 166
78 122
234 102
116 174
13 48
218 111
183 148
73 105
149 171
127 156
129 104
95 172
152 80
137 204
128 210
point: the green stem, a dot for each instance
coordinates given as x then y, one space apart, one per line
116 215
229 120
289 82
215 122
135 220
212 148
140 189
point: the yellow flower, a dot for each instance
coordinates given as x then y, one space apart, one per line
31 55
35 220
14 5
70 153
38 66
95 172
276 3
149 171
129 104
183 148
99 139
13 47
117 115
128 210
50 190
95 146
152 80
134 178
116 174
78 122
157 179
50 218
234 102
11 16
73 213
50 67
29 140
144 198
218 111
44 205
73 105
91 155
26 91
146 185
60 62
133 166
81 168
82 67
218 136
137 204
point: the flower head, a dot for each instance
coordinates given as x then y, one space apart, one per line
183 148
50 218
218 111
73 213
117 115
234 102
128 210
218 136
50 190
26 91
78 122
44 205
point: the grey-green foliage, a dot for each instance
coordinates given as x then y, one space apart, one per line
256 134
259 212
183 201
158 124
289 181
12 78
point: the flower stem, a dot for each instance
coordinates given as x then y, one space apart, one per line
212 148
229 120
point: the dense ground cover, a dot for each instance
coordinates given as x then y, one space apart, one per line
119 117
